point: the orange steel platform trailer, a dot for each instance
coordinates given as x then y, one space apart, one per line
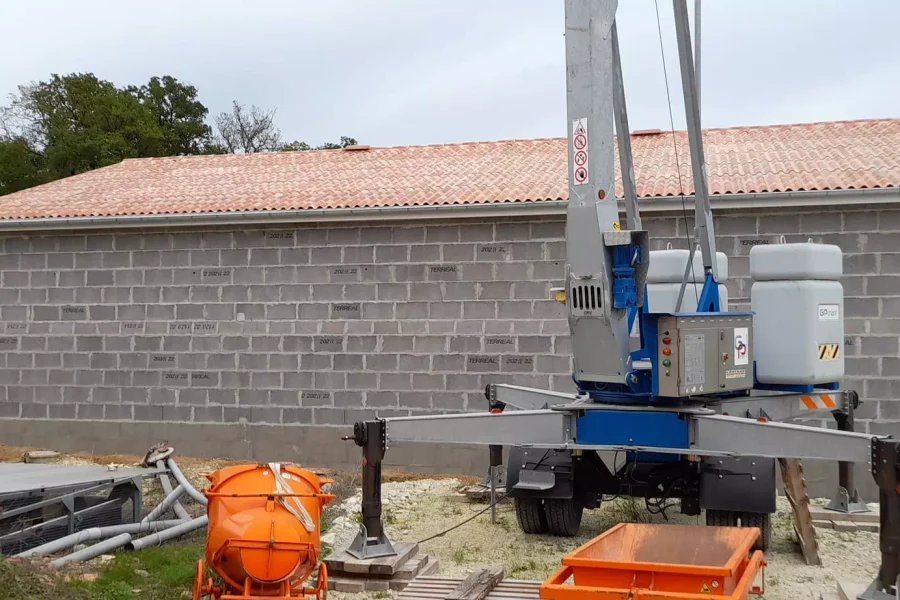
657 562
263 536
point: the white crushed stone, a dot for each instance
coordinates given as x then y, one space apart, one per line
418 509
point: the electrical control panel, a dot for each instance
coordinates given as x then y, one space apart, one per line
702 354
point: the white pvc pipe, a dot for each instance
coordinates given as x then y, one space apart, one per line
182 480
93 551
163 506
95 533
156 539
180 511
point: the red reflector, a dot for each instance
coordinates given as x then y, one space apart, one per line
496 411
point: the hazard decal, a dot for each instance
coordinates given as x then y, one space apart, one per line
829 351
704 589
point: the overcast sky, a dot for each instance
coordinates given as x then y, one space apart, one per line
396 72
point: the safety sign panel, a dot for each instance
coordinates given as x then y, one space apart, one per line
580 152
829 351
741 345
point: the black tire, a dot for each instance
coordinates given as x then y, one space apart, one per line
530 515
764 522
563 516
721 518
730 518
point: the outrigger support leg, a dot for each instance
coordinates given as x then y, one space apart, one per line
885 465
371 541
846 498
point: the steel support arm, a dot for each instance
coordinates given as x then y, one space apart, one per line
748 437
504 429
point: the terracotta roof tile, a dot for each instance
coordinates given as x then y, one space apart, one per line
814 156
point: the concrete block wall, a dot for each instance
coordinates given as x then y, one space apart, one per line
325 325
286 325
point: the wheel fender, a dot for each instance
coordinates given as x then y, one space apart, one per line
540 473
744 484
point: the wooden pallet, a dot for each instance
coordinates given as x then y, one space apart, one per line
440 588
349 574
795 491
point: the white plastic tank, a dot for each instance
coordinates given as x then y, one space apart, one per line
798 305
664 280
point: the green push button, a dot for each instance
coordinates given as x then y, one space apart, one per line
667 363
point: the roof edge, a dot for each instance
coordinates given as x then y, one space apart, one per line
654 205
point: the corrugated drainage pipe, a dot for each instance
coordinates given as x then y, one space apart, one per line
93 551
182 480
165 535
180 511
96 533
163 506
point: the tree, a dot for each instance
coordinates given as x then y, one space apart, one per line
78 122
303 146
246 131
20 166
178 113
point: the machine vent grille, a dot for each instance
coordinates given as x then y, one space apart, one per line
586 297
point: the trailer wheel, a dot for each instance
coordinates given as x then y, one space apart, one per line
530 515
722 518
730 518
764 522
563 516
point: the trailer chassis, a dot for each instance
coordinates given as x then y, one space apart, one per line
707 429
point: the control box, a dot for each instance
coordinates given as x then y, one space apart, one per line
702 354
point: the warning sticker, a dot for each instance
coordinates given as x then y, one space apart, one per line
735 373
741 345
694 360
616 226
704 589
580 152
829 351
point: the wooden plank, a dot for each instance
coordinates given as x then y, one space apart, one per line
436 588
477 585
823 514
385 565
795 490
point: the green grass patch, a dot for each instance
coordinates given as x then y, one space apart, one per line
161 573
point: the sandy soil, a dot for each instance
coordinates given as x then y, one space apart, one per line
417 510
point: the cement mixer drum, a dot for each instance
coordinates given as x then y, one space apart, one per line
263 536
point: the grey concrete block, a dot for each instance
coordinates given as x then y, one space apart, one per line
89 411
480 363
302 416
329 380
382 399
316 362
316 397
222 397
297 381
361 381
448 362
448 400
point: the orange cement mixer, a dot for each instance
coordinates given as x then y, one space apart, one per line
263 536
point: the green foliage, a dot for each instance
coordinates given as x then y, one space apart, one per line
20 166
178 113
74 123
296 146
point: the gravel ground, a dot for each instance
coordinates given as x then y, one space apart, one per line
416 510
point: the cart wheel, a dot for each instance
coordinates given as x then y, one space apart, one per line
764 522
198 580
563 516
530 515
